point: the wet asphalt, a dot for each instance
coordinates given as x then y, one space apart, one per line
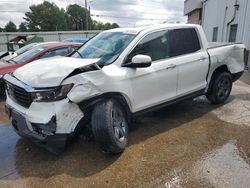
190 144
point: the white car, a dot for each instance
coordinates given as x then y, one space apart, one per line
117 75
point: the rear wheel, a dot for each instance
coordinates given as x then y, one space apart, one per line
110 126
220 88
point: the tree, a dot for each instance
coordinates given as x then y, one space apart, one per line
100 26
23 27
1 29
115 25
46 17
49 17
10 27
77 17
97 25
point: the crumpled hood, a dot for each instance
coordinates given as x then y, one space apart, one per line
50 72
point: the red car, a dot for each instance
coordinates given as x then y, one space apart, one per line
38 52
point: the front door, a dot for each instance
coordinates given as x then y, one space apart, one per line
156 84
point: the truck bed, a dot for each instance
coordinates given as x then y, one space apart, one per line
219 44
229 54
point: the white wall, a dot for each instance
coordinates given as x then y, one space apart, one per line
217 13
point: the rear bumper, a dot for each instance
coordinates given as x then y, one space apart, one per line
54 143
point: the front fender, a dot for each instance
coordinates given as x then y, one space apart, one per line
88 104
83 91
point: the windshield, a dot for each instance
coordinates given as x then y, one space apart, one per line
25 48
26 55
106 46
18 52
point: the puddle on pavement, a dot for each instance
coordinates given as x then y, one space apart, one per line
153 153
176 146
8 141
225 167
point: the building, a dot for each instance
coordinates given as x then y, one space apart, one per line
193 10
222 20
227 20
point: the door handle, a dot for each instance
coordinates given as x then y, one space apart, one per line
171 66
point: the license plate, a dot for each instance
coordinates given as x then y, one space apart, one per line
19 121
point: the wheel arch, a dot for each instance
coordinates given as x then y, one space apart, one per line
122 99
220 69
224 68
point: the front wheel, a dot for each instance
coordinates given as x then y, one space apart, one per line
220 88
110 126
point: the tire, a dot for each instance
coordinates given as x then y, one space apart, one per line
220 88
110 126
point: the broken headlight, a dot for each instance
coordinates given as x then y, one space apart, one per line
50 95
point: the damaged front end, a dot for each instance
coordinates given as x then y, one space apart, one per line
42 134
46 116
44 105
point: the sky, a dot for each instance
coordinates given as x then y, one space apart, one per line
125 13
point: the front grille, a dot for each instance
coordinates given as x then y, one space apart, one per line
20 95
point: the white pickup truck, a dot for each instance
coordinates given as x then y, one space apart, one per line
114 77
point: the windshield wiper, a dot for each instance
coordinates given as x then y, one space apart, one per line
76 51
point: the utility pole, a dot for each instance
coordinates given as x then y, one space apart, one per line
90 19
87 19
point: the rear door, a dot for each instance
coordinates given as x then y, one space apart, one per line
191 60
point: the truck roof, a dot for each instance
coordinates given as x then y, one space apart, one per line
136 30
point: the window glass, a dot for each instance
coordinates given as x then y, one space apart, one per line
215 34
165 44
59 51
26 55
72 48
106 47
25 48
48 54
183 41
155 45
233 33
62 51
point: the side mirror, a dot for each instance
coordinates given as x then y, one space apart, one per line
140 61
